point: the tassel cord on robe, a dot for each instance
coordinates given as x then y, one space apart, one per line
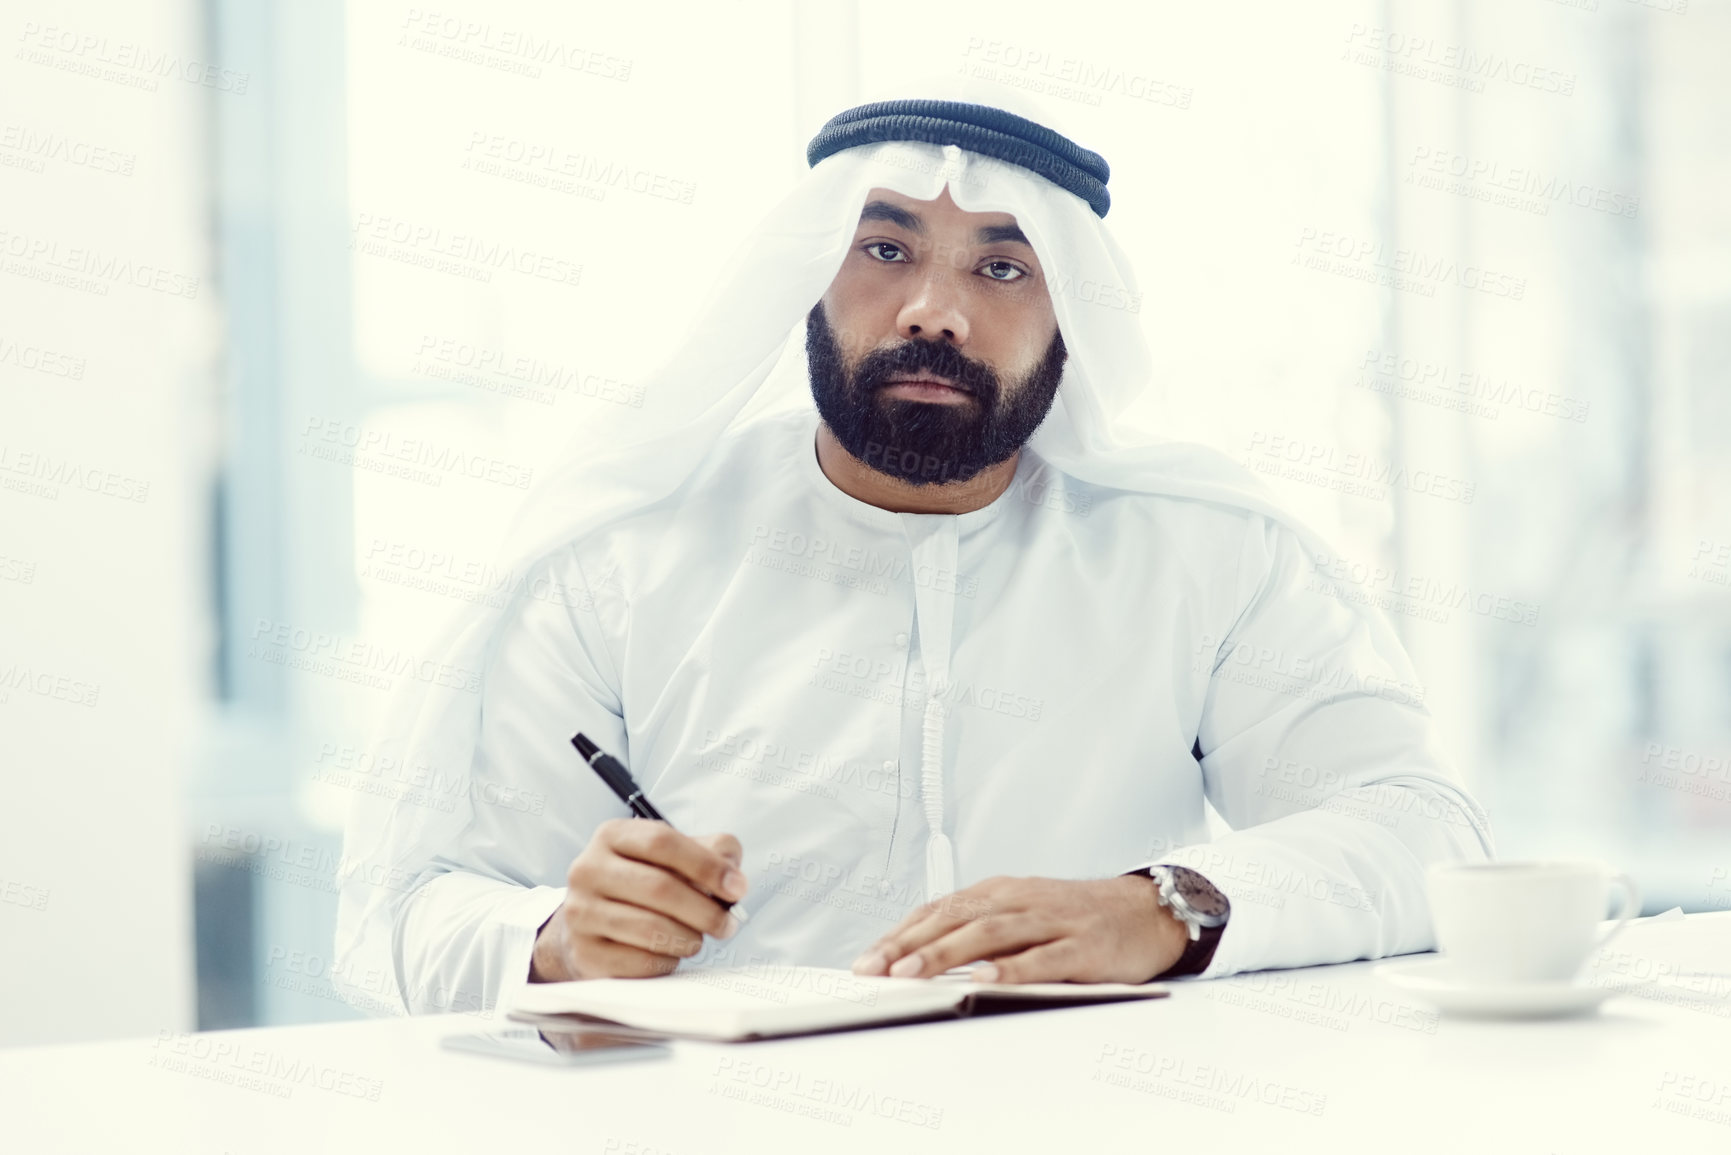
940 855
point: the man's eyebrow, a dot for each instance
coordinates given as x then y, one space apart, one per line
999 234
894 214
902 218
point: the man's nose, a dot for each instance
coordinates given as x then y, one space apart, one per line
934 307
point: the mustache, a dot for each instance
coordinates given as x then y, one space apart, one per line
939 358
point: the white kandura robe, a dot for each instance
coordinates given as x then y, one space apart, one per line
757 647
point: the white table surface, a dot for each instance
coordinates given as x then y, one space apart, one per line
1327 1058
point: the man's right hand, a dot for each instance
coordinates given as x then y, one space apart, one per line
637 901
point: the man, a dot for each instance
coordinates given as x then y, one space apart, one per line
937 672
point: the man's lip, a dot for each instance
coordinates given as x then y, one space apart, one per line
929 380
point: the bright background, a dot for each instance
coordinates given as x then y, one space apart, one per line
216 223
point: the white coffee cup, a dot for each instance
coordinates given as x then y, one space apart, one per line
1517 922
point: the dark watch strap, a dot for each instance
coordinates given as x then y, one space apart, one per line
1198 953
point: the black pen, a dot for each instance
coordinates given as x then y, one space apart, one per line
619 780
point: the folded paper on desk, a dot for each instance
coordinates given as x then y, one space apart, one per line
762 1002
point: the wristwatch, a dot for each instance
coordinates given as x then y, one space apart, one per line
1195 902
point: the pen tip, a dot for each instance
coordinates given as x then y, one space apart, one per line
584 746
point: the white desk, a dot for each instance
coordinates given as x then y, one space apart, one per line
1331 1058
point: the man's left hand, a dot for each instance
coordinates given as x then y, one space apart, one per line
1036 930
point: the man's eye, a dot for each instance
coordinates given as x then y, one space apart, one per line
1003 271
895 251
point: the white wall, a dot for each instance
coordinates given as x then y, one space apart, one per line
106 324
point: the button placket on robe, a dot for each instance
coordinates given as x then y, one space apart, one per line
934 542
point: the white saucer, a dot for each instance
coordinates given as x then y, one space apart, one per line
1433 980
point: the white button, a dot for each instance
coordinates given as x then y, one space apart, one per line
901 641
889 763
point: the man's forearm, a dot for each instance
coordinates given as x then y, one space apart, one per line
1339 882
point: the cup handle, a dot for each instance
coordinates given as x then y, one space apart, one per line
1630 907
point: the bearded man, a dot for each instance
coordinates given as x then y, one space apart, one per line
932 665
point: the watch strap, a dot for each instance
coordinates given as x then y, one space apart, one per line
1198 951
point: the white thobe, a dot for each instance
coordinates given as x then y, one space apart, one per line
759 647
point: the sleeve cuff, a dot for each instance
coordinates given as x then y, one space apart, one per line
515 927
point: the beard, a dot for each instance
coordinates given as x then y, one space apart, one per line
926 442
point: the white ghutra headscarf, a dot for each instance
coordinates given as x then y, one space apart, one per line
721 377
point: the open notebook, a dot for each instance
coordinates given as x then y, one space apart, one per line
764 1001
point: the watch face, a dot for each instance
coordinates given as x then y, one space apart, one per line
1200 895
